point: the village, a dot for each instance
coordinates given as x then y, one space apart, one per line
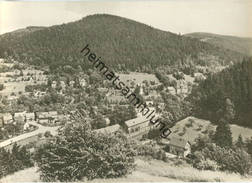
32 127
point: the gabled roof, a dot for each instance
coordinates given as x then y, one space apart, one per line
179 142
109 129
135 121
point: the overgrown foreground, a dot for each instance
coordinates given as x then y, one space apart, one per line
78 152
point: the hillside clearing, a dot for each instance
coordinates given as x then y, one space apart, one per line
184 130
147 170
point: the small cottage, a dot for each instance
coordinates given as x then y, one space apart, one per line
179 147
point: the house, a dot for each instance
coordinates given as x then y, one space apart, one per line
171 90
107 120
63 85
19 116
30 116
115 99
47 117
149 103
137 127
54 84
26 126
109 130
6 118
71 83
83 82
39 94
179 147
102 90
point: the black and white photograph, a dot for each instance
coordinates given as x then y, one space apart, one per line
126 91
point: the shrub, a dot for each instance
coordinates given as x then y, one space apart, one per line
207 165
228 159
154 134
16 159
78 152
150 150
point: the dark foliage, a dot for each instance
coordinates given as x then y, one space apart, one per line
16 159
78 152
227 95
223 135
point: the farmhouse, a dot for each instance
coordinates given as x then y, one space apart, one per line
47 117
179 147
137 127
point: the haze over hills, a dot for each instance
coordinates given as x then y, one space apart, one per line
123 44
239 44
21 32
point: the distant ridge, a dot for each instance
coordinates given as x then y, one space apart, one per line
240 44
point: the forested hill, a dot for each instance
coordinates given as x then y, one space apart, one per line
239 44
122 43
226 95
19 33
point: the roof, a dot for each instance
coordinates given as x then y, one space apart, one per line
30 114
109 129
179 142
19 113
47 114
135 121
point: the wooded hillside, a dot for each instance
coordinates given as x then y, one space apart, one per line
123 44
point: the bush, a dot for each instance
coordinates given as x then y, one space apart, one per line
16 159
207 165
237 160
78 152
154 134
150 150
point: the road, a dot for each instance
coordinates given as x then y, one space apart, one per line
41 129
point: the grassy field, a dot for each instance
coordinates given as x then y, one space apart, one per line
147 170
189 131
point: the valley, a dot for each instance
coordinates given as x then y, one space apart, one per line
56 109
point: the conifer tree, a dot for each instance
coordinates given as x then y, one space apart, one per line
240 142
223 134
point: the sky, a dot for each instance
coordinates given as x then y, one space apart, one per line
227 17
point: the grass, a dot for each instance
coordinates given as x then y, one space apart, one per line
186 173
26 175
201 126
147 170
